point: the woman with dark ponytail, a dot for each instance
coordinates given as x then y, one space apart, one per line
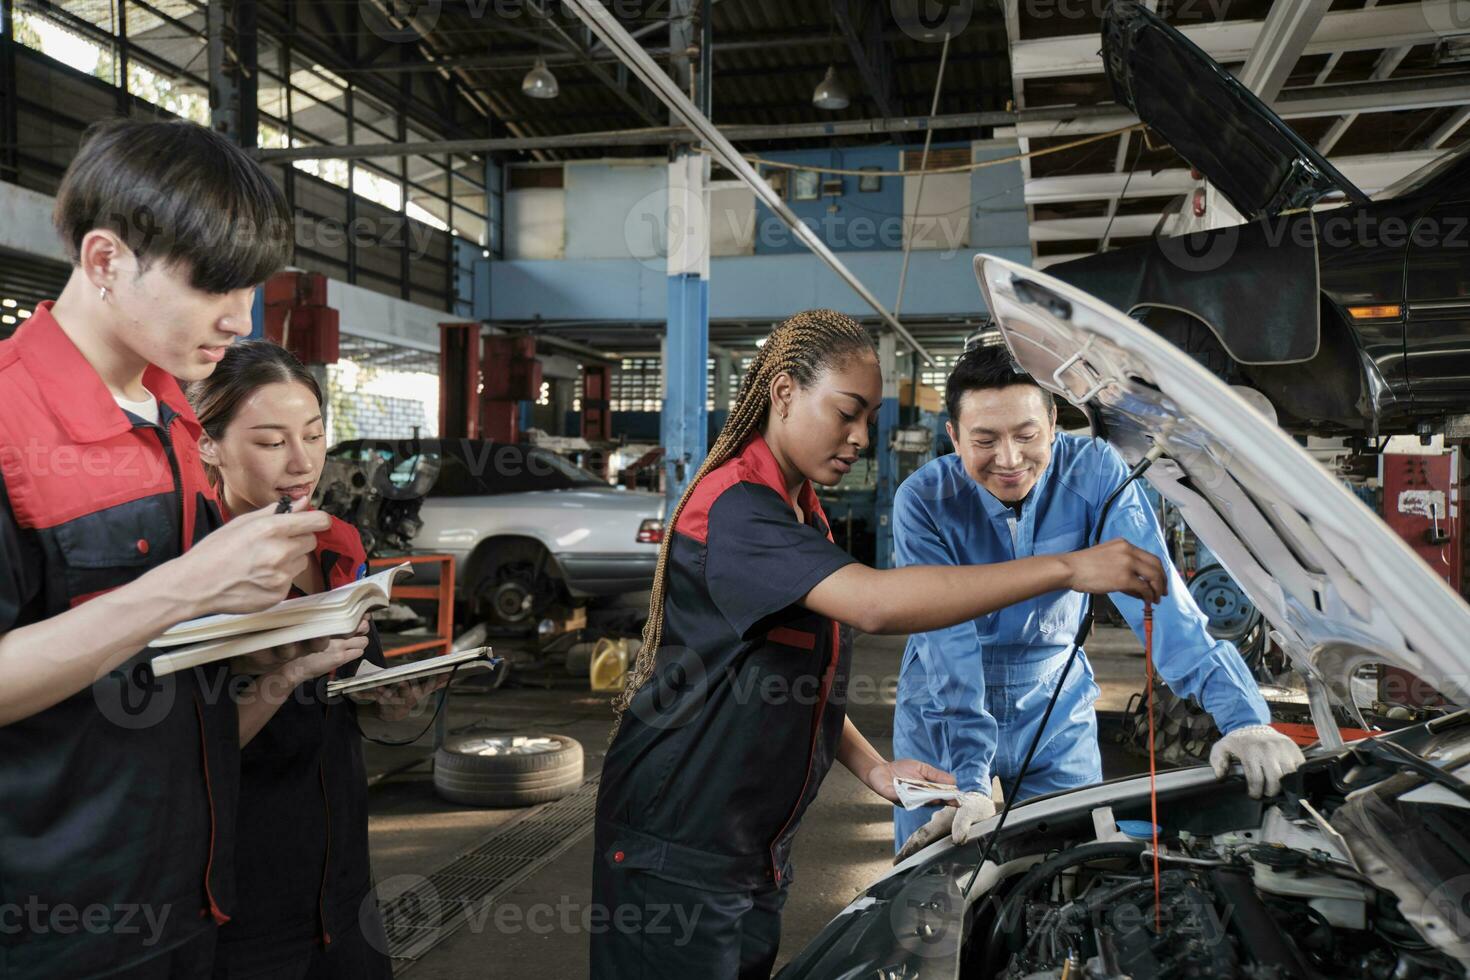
304 903
735 707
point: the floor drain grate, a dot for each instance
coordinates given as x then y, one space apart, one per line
432 909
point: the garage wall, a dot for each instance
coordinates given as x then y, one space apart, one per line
615 209
732 218
535 223
609 207
997 198
936 207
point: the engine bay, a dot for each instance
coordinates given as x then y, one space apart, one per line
1244 890
1229 906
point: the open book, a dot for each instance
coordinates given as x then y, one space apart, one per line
219 637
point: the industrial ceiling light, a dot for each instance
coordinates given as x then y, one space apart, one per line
539 82
831 93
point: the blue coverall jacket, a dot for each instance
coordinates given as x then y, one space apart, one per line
970 697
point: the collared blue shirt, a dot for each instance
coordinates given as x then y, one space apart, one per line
942 516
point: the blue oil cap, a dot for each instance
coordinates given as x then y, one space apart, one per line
1139 829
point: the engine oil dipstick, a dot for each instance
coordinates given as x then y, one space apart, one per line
1153 796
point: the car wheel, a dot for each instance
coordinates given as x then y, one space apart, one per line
506 770
518 585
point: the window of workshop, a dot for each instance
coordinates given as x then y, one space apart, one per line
738 367
159 36
427 183
381 391
71 47
637 385
318 117
178 96
373 121
935 375
373 185
470 226
468 188
332 171
272 95
271 137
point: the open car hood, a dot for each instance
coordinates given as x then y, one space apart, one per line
1338 587
1257 161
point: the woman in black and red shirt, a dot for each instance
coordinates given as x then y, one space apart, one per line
305 907
735 709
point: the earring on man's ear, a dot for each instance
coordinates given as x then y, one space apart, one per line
102 290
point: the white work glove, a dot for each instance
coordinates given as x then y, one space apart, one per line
956 821
1264 753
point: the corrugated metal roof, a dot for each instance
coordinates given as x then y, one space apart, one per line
768 58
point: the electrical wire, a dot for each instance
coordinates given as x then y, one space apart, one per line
1082 631
908 242
443 693
1118 204
959 168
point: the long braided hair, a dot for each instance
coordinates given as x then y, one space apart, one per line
802 346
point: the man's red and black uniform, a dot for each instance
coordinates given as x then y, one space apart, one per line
722 750
117 805
303 876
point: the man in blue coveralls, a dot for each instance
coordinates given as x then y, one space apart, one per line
970 697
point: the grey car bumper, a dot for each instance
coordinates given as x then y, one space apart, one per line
607 574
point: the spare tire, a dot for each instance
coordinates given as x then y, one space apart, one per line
507 770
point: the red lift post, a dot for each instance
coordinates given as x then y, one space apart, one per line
597 411
1421 502
298 318
482 381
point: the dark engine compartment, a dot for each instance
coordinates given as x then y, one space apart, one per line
1246 888
1213 921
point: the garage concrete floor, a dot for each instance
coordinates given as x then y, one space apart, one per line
534 930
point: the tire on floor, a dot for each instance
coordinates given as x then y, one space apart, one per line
507 770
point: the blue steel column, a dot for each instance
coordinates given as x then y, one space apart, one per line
465 255
686 225
686 342
257 314
887 460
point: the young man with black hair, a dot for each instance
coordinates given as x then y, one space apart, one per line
970 698
118 790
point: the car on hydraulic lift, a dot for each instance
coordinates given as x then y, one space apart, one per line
527 528
1359 867
1352 320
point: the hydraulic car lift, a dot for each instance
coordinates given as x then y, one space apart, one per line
482 382
298 318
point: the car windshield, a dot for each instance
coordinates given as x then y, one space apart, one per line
566 467
474 467
1424 175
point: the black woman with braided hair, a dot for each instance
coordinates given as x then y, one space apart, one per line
735 707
